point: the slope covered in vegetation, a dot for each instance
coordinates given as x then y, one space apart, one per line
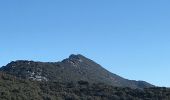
74 78
13 88
72 69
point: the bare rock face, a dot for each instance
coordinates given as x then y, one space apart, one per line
72 69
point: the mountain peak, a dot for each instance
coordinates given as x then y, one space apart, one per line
76 56
72 55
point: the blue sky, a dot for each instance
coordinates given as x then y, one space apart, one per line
128 37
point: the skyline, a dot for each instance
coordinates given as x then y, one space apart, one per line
128 38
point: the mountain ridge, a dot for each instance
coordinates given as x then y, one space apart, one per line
72 69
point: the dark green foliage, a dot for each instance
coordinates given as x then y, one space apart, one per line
13 88
75 78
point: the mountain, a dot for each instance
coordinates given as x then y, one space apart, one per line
73 69
74 78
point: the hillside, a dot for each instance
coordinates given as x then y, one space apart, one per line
14 88
74 78
72 69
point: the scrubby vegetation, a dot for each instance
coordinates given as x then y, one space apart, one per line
74 78
13 88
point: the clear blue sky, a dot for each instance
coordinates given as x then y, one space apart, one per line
128 37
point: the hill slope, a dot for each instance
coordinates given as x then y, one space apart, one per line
72 69
13 88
